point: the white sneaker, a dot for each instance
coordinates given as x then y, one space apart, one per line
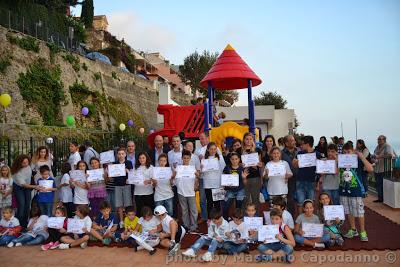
189 253
63 246
84 245
10 245
319 245
18 244
121 224
139 248
208 256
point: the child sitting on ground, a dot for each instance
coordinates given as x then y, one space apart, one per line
130 223
36 231
236 236
251 211
148 224
308 216
286 240
105 225
217 230
171 234
9 226
280 203
74 240
56 234
331 226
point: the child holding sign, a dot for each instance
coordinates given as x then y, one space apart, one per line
105 225
80 185
285 239
236 237
144 192
46 189
332 227
97 187
330 182
74 240
55 234
163 195
234 192
65 191
278 173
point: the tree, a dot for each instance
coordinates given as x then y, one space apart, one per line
195 67
270 98
87 13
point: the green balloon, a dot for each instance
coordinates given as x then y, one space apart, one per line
70 120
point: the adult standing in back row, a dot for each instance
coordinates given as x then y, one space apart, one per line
89 153
158 149
289 153
383 154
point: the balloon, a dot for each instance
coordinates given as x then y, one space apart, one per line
5 100
85 111
152 131
122 127
49 140
70 120
141 130
130 123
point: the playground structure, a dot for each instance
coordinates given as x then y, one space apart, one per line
229 72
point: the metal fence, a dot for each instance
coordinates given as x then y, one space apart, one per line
40 29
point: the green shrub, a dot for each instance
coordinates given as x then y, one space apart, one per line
114 75
97 76
73 60
54 49
91 107
79 91
84 66
28 43
5 62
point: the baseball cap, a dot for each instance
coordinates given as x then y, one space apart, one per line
160 210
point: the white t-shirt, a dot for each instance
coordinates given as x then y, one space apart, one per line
201 151
195 161
185 186
277 184
87 221
212 179
13 222
241 228
286 217
174 157
163 190
149 225
39 228
142 190
65 191
80 194
5 186
165 223
73 159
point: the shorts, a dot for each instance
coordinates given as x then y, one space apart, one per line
123 196
179 234
238 195
304 190
353 205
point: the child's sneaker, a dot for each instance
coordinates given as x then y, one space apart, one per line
351 233
10 245
63 246
189 253
47 246
18 244
55 245
339 241
84 245
152 252
319 245
106 241
121 224
208 256
363 236
174 248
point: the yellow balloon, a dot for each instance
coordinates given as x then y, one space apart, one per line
5 100
122 127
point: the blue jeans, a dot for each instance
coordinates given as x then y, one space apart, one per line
300 239
111 198
212 244
275 247
28 240
46 208
334 195
305 190
203 200
5 239
233 248
379 184
365 180
168 205
23 197
229 197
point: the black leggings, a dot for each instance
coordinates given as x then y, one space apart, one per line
210 203
145 200
54 235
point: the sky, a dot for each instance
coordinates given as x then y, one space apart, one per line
334 61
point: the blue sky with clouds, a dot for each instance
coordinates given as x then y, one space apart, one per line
333 61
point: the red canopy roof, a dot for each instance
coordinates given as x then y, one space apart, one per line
230 72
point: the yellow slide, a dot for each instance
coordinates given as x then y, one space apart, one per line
228 129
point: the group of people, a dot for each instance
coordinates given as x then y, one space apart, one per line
153 200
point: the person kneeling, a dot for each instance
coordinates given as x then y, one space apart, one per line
214 239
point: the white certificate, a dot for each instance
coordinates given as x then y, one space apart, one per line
185 171
75 226
307 160
348 161
229 180
78 175
55 222
116 170
253 223
162 173
210 165
267 233
46 183
331 212
218 194
107 157
312 229
135 177
250 159
95 175
326 166
276 169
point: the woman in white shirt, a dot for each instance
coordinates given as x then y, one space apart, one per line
144 193
41 158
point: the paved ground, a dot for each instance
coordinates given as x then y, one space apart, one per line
95 256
